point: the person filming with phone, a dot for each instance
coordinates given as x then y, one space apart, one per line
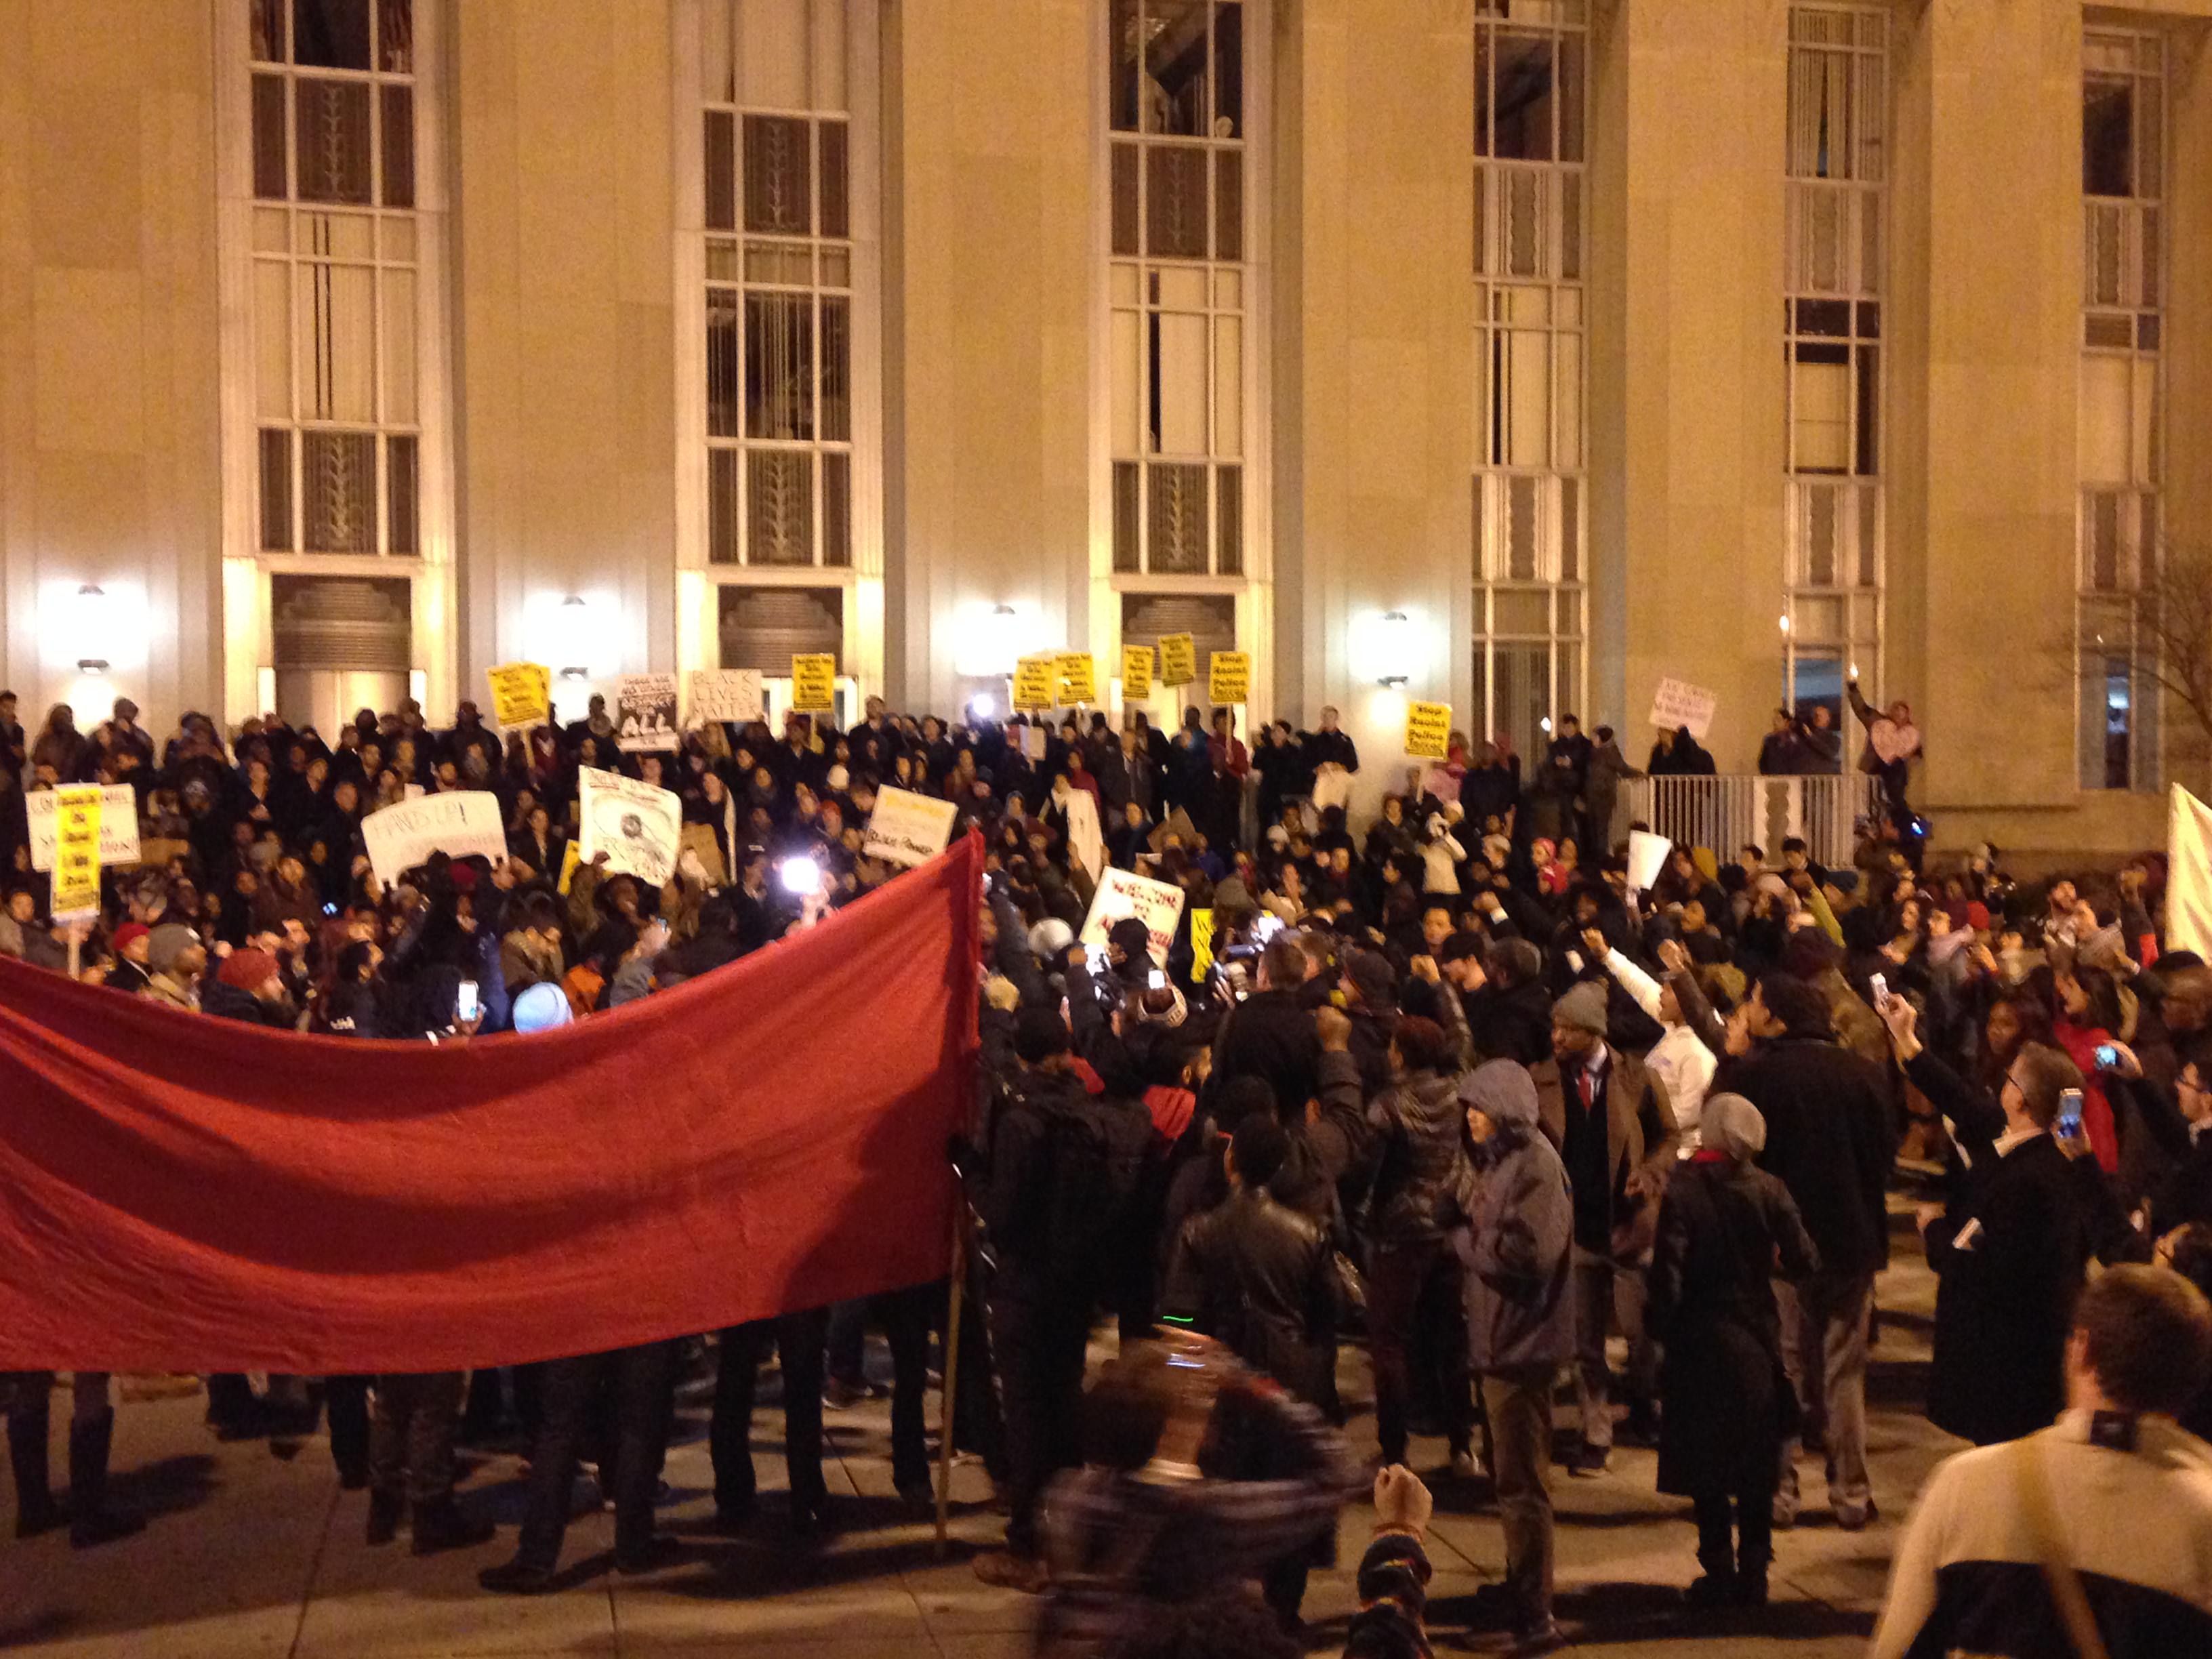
2010 1247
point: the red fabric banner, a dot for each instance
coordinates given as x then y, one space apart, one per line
184 1193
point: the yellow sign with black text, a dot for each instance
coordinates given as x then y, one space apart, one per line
1037 681
1078 679
1178 659
1136 672
1428 730
814 682
521 693
76 851
1229 677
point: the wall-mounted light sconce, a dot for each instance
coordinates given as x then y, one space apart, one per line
1394 648
91 628
989 642
572 635
1785 623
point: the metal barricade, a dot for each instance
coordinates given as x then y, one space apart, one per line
1726 812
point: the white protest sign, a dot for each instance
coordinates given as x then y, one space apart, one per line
1084 838
118 826
1332 787
2188 881
1121 893
906 827
645 712
637 825
1647 857
725 694
1677 703
456 823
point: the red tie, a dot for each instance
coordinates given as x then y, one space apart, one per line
1583 1086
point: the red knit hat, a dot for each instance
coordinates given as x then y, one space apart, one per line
249 970
129 932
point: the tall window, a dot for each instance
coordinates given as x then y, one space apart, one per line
1833 264
779 290
2120 416
1530 497
1179 286
338 282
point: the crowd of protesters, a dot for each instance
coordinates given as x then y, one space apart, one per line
1438 1081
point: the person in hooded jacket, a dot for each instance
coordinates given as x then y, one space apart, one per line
1516 1250
1725 1225
1412 1275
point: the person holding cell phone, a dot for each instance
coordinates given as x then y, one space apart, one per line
2009 1251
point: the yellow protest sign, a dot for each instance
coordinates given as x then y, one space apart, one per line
521 693
1078 677
1136 672
814 682
76 851
1037 679
1229 677
571 856
1178 659
1428 730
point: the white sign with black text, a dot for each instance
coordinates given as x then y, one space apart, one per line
906 827
1157 904
118 826
645 712
456 822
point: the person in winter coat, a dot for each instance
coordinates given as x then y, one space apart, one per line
1514 1252
1726 1230
1608 770
1614 1127
1260 1277
2009 1251
1413 1275
1509 1008
1830 1135
1257 1274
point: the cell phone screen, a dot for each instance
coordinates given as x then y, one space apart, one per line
2069 1113
465 1007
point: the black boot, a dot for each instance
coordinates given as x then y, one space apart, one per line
441 1526
35 1509
385 1509
91 1521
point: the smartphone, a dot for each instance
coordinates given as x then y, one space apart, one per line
466 1005
2069 1115
2107 1056
1158 981
330 909
1880 987
1574 960
1095 956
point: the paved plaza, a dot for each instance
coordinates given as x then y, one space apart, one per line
248 1558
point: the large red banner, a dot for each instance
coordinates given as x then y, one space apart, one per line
183 1193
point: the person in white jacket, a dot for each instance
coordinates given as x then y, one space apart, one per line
1681 1058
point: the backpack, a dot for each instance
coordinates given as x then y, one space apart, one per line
1098 1150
